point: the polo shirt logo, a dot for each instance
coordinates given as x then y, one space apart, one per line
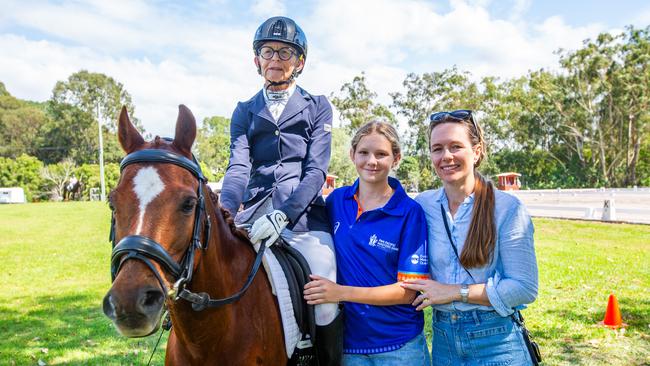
336 226
382 244
373 240
415 259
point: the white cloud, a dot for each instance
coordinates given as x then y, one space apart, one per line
165 57
268 8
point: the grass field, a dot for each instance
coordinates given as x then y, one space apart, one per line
55 271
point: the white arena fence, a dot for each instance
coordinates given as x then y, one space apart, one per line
630 205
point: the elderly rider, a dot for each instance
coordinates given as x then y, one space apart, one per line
279 155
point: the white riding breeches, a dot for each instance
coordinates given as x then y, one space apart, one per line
316 246
318 249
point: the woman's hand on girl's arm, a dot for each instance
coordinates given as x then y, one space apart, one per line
433 293
321 290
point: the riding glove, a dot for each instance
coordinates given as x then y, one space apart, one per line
268 226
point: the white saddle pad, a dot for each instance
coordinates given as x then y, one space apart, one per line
278 281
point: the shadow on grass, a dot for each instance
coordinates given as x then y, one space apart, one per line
560 332
69 329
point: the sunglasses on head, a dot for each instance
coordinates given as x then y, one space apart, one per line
459 115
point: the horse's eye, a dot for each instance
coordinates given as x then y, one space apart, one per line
188 205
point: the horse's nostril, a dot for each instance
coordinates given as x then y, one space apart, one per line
151 300
108 307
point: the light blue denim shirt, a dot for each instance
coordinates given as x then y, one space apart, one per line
511 275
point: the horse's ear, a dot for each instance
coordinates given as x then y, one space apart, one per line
185 130
129 137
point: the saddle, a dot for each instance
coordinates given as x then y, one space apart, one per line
296 270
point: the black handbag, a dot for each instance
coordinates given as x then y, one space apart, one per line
533 348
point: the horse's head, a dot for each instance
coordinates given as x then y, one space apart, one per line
158 207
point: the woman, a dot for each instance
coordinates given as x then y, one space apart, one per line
482 257
279 153
380 236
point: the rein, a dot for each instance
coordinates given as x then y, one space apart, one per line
147 250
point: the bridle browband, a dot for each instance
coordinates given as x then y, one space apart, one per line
146 249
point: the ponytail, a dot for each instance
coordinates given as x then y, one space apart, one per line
481 238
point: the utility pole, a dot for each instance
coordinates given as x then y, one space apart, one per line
101 157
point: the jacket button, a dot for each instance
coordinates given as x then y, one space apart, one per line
277 133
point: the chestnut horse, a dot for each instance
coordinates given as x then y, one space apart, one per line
160 220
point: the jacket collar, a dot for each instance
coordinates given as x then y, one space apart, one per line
393 206
298 101
259 107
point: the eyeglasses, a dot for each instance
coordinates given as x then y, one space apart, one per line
285 53
459 115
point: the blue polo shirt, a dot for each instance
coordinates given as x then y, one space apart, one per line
381 247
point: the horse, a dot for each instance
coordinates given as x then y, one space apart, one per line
74 192
176 251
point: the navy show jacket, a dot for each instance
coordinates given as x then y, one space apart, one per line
287 160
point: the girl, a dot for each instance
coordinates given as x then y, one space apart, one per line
380 238
482 257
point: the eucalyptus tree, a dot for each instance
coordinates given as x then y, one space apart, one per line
357 104
213 144
99 95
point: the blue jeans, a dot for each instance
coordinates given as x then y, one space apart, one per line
414 353
476 338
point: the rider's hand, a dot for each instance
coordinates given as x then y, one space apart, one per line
268 226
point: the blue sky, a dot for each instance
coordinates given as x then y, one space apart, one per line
199 53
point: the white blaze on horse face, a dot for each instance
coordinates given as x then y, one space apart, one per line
147 185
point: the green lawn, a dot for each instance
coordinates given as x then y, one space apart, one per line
55 271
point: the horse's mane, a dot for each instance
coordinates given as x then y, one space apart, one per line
241 234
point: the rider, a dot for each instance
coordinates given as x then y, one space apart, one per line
71 183
280 142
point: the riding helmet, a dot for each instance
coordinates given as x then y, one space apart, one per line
281 29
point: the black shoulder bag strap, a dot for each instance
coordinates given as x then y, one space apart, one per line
444 219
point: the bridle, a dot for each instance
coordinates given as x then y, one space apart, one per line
147 250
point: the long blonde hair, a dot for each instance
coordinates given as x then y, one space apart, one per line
481 237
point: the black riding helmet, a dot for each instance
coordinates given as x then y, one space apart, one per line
281 29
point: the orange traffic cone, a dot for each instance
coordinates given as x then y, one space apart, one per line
613 314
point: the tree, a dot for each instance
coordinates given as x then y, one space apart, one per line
408 173
20 129
20 125
69 133
340 163
428 93
23 171
97 94
56 175
213 145
631 91
357 105
88 174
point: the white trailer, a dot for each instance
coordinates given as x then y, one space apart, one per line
12 195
